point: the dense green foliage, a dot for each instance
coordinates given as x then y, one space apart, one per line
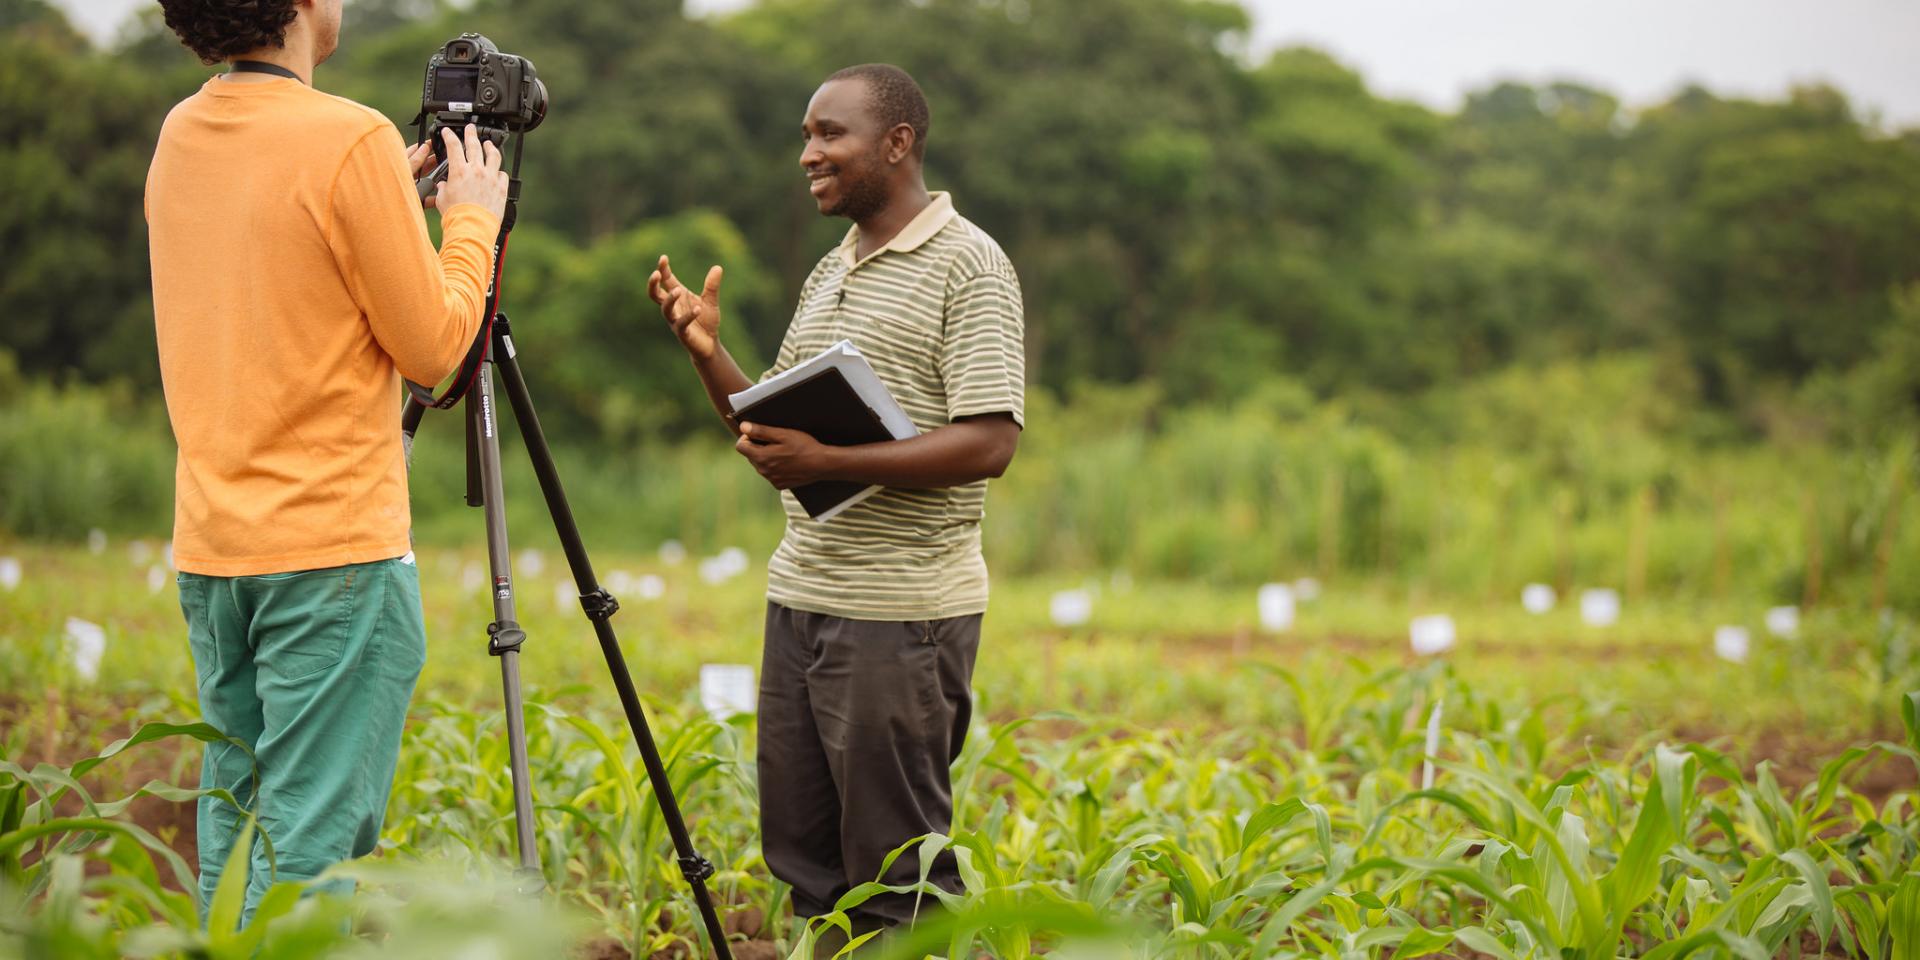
1278 327
1180 212
1363 329
1572 474
1545 337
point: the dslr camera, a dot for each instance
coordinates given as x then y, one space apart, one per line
470 81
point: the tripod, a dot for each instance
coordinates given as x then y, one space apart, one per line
475 383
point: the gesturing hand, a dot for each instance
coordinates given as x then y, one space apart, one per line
786 458
694 318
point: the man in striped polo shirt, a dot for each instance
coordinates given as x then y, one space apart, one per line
873 618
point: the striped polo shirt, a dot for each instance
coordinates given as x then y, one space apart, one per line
937 313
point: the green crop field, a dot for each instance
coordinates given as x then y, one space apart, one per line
1165 780
1650 361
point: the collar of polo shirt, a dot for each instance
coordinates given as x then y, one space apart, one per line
917 231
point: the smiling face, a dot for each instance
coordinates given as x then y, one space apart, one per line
850 159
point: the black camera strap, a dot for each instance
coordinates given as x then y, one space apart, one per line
261 66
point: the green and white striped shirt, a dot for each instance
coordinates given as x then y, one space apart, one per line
937 313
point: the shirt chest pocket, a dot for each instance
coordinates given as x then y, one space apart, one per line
908 344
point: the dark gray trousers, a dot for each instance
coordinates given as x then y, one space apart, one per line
860 721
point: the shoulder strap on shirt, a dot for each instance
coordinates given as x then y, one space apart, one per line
261 66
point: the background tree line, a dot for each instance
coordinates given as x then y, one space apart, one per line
1543 336
1180 213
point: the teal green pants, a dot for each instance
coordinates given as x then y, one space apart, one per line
313 670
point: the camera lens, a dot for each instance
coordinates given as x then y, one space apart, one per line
537 104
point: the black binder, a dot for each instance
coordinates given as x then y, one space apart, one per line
826 406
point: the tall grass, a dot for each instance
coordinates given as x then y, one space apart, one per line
1581 474
76 459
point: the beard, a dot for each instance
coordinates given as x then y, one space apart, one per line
863 190
326 35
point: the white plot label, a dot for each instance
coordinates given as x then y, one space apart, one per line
724 566
1276 607
1731 643
86 642
9 573
1432 634
1600 608
618 582
1433 746
1783 622
1538 598
1071 608
726 689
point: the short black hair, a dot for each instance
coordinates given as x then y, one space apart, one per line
216 30
894 99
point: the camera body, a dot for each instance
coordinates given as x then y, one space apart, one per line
470 81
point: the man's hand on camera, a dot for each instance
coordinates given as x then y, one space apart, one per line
786 458
473 173
694 317
420 159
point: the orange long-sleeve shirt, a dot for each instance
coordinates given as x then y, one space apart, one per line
294 283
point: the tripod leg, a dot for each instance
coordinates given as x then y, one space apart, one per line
600 606
504 635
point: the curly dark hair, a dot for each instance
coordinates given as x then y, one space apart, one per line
218 29
894 99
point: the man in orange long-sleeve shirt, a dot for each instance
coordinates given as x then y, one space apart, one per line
294 284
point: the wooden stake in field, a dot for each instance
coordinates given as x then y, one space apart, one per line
1889 525
1640 519
1049 669
1722 555
1810 513
1563 541
1331 495
1500 565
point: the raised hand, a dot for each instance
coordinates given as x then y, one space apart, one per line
694 318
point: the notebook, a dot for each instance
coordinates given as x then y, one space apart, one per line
837 398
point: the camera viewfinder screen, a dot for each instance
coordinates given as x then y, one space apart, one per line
455 84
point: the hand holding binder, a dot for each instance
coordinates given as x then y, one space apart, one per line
836 399
788 459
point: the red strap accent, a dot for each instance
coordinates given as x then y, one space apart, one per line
486 325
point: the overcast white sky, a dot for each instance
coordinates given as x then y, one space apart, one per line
1640 49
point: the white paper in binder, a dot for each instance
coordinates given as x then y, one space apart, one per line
846 358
